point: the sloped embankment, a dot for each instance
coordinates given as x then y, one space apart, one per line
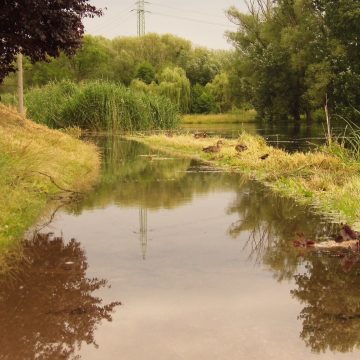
36 163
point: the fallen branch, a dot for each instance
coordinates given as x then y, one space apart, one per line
56 184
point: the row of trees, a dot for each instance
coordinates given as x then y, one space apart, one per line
193 77
293 57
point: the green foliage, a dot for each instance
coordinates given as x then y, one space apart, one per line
165 63
145 72
201 65
172 84
46 104
94 60
99 105
202 102
219 88
293 55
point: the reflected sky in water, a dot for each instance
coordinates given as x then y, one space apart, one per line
202 263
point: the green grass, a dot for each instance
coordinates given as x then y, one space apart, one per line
99 106
28 149
327 179
239 117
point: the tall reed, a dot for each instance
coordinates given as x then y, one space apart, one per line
100 106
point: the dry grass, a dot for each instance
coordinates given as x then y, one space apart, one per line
26 150
327 179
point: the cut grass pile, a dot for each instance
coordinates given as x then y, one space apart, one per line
327 179
241 116
26 150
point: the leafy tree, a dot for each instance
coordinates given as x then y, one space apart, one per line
219 88
94 59
296 54
40 28
174 84
41 73
145 72
200 65
202 101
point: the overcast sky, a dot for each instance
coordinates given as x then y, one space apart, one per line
201 21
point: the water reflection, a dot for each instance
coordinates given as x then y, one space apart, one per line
330 295
273 222
284 134
130 179
331 313
48 306
327 283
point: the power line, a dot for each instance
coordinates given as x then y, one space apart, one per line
190 19
186 11
124 16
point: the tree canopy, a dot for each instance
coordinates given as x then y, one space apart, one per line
41 28
294 55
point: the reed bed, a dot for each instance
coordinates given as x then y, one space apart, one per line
100 106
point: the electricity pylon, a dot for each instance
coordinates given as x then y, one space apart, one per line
143 231
140 11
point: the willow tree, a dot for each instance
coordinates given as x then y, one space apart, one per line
174 84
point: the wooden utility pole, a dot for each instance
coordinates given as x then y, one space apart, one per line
20 84
328 125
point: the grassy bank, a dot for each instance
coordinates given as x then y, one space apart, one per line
327 179
98 106
35 162
239 117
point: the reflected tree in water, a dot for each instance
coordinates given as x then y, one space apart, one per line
272 222
48 307
130 179
328 285
331 295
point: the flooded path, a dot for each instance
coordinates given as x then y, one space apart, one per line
201 261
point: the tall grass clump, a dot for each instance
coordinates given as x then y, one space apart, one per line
46 104
101 106
9 99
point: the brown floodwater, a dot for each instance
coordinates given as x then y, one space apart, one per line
201 261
